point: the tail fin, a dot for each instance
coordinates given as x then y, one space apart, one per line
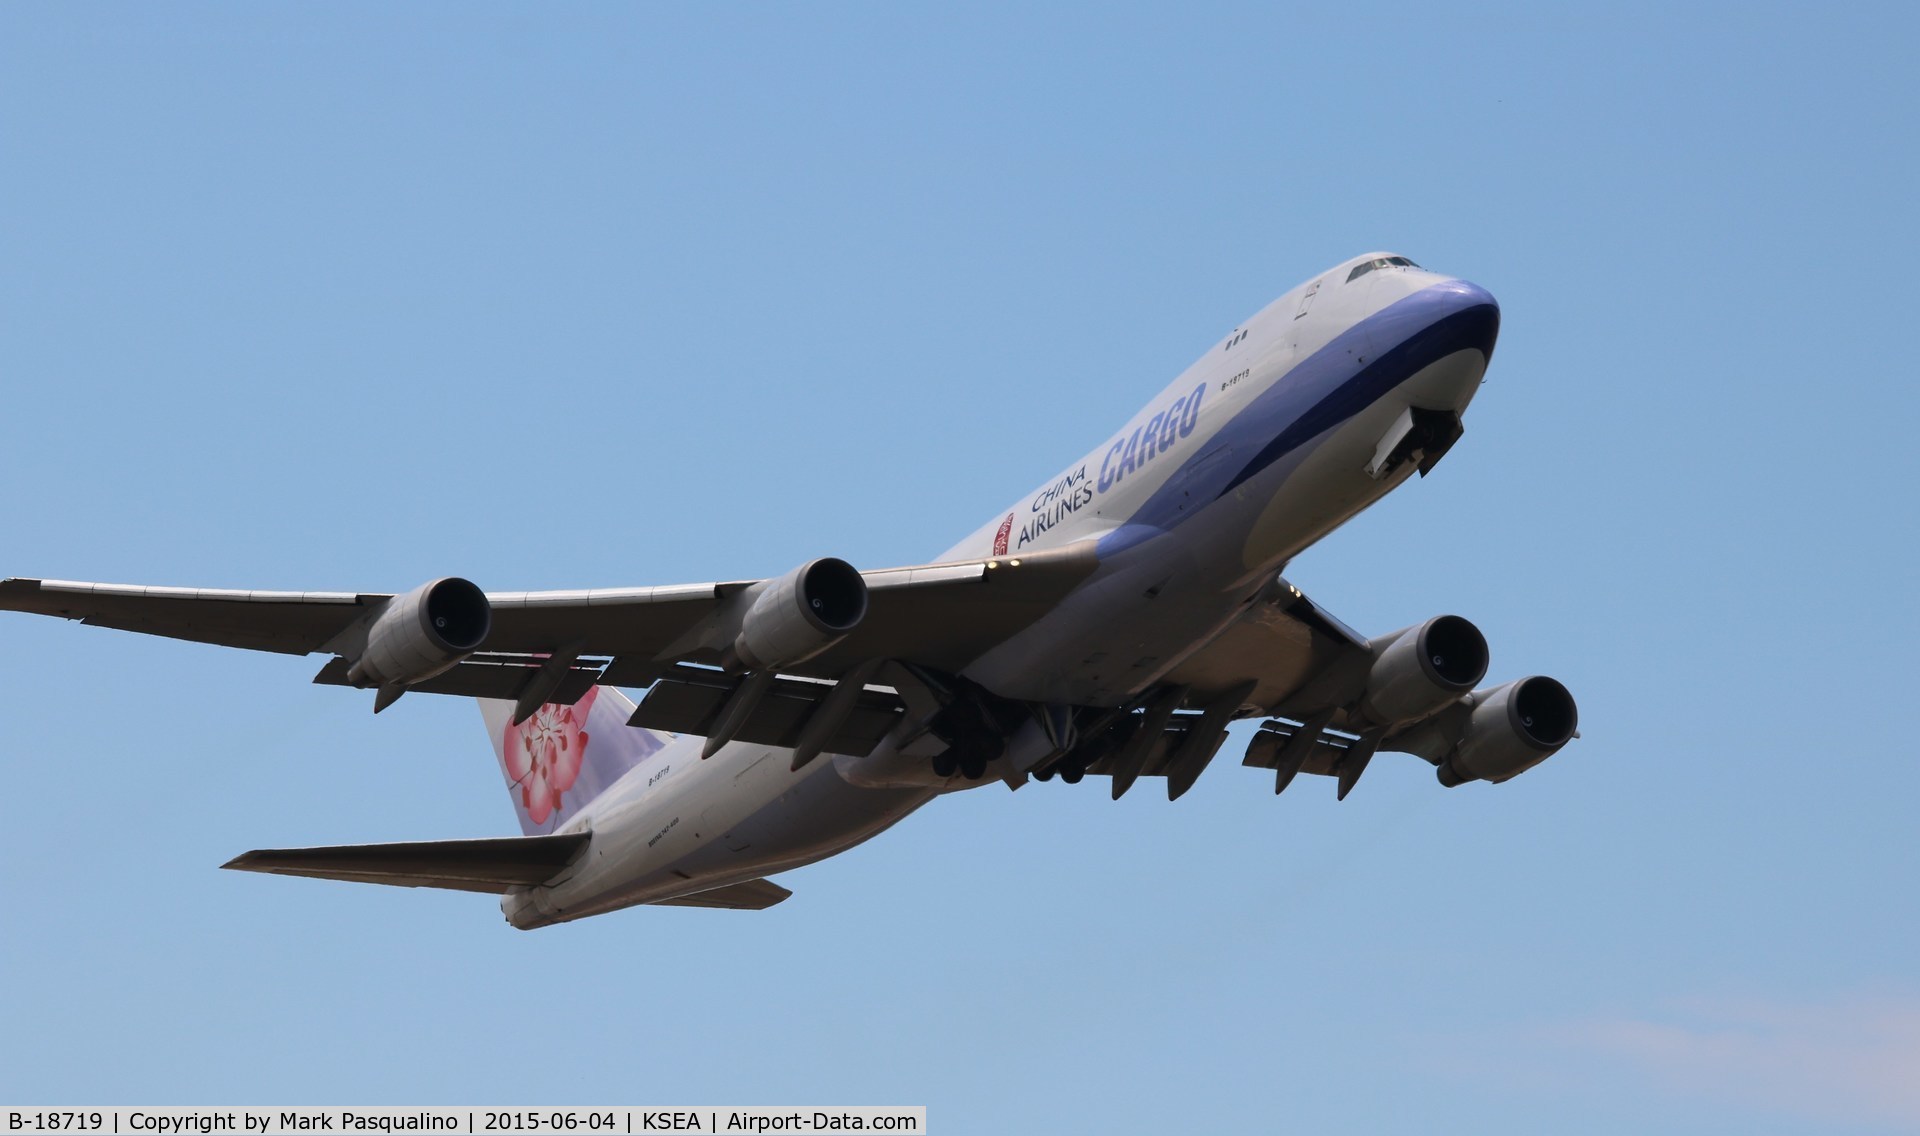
561 757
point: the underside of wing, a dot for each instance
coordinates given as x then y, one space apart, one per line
295 623
449 637
1338 699
1284 643
688 700
936 615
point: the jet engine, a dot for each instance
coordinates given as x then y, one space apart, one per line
801 614
422 633
1423 669
1512 729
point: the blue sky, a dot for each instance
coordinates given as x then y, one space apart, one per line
352 296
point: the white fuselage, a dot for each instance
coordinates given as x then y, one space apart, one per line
1255 452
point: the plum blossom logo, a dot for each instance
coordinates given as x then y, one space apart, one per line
543 754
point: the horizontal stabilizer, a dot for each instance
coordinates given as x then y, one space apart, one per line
754 895
489 865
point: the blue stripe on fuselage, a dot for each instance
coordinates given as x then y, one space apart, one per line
1322 391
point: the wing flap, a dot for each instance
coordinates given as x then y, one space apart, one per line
1160 753
689 701
486 865
1329 748
486 676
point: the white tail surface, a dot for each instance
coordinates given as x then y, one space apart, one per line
562 757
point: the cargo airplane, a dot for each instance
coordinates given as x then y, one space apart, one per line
1113 622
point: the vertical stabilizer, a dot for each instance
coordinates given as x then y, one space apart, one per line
561 757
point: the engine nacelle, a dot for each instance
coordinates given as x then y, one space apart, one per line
1423 669
801 614
424 632
1512 729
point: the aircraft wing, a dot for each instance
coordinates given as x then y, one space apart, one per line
1317 680
938 615
295 623
1283 655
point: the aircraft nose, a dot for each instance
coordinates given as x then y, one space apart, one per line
1471 294
1472 313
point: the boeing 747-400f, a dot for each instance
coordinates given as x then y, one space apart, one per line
1112 622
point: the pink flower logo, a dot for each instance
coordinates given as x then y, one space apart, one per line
543 754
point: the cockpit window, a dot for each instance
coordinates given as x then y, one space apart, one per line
1365 267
